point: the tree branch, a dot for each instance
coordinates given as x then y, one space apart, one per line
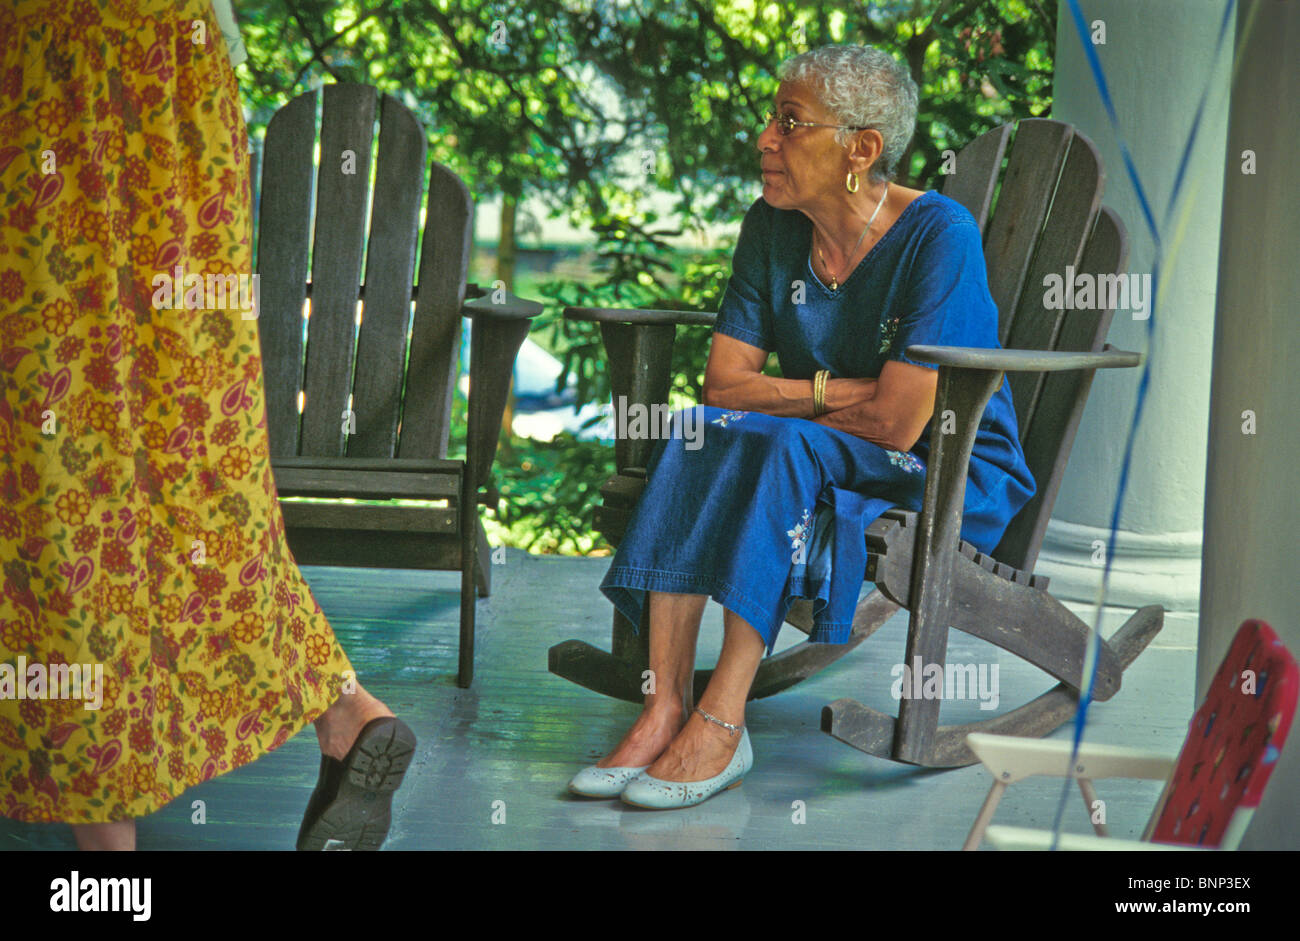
317 51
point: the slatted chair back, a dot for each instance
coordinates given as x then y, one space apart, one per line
1048 220
367 391
1233 744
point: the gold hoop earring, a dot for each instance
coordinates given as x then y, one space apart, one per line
851 182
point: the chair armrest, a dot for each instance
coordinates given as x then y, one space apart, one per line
494 346
1011 758
638 347
1023 838
968 379
970 357
689 318
478 303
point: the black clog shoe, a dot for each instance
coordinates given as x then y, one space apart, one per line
351 808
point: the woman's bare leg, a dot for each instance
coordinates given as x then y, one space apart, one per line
339 725
703 749
105 836
674 630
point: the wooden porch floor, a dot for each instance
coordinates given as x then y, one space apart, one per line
520 733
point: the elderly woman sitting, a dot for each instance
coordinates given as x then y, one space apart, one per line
838 271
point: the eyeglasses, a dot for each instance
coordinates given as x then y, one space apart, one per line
785 123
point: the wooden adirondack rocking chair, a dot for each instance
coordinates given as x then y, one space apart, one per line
359 394
917 560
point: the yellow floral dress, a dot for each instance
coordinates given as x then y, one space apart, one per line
139 526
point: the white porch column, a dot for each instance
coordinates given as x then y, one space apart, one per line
1252 503
1156 57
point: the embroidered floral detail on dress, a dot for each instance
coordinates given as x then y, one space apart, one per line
906 460
727 417
887 335
799 535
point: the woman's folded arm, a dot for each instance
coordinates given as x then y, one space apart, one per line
896 414
733 379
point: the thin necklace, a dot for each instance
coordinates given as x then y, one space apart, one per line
835 284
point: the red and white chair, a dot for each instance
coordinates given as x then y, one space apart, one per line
1212 786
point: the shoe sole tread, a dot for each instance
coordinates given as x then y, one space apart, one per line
361 813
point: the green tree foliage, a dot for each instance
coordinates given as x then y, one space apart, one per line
552 101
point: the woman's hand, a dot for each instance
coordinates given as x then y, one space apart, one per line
733 378
841 393
896 413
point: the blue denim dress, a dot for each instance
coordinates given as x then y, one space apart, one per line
758 510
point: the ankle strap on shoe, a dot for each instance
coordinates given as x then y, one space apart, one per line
731 729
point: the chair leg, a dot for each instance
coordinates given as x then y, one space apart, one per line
938 537
468 597
1090 800
918 719
985 816
483 568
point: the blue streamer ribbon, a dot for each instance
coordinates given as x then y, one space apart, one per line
1103 88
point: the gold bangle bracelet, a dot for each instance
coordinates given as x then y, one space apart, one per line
819 391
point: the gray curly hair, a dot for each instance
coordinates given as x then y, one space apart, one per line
864 86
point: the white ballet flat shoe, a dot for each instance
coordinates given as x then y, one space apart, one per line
653 794
602 782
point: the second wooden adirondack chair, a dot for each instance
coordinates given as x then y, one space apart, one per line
1048 218
359 393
